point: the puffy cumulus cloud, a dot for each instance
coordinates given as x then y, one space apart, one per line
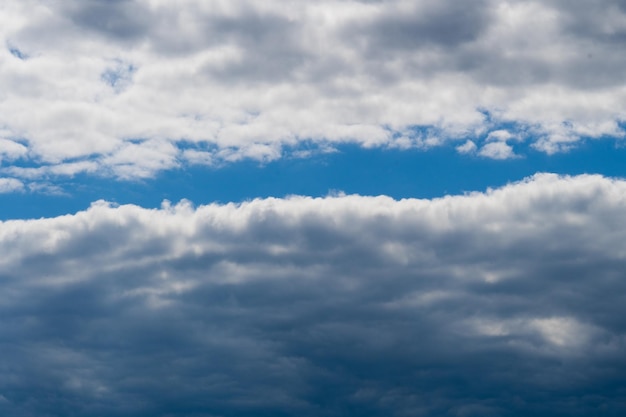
467 147
213 81
509 302
495 150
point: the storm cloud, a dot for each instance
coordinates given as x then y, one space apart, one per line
209 82
508 302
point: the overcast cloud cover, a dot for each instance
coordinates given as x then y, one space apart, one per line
131 87
504 303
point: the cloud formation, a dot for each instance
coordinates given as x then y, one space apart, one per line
212 81
8 185
506 303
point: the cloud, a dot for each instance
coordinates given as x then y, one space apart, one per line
497 150
84 79
507 302
467 147
10 150
9 185
400 26
501 135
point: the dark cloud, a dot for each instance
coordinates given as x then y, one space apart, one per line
444 24
120 20
508 303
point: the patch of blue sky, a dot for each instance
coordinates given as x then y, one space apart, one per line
412 173
204 146
18 53
622 125
119 76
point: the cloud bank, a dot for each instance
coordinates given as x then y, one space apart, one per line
507 303
129 88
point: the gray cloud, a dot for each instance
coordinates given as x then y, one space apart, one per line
268 43
124 20
600 21
504 303
445 24
585 35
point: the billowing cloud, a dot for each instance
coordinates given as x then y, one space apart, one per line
509 302
212 81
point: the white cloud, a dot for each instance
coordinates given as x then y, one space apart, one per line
10 150
9 185
82 78
561 332
261 307
501 135
497 150
467 147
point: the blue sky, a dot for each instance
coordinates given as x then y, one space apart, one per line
413 173
330 208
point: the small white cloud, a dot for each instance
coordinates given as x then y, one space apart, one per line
198 157
10 150
500 135
467 148
497 150
142 159
556 142
10 185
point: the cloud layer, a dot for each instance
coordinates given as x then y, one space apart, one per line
128 88
507 303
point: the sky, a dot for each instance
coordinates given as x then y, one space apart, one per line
293 208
